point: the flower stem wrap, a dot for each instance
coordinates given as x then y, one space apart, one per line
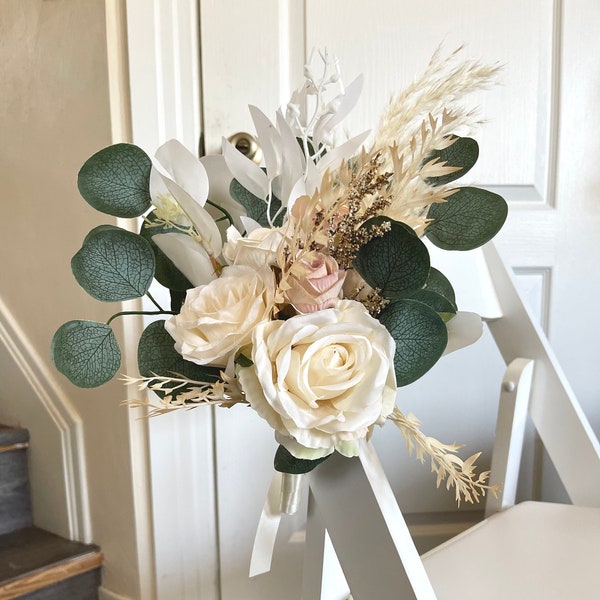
291 491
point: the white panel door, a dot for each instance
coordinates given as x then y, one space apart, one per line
540 147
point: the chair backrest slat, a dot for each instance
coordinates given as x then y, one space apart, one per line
510 434
556 414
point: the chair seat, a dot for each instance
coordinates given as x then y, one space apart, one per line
532 551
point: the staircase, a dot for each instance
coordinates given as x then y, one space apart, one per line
36 564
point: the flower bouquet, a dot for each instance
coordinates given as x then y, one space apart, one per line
302 286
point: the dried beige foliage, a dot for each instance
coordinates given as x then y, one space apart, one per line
457 473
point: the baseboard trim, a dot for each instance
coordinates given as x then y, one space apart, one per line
104 594
56 412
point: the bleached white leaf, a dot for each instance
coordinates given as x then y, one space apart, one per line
313 178
248 173
157 187
160 195
249 225
345 103
464 329
297 191
293 161
220 178
188 256
203 223
175 161
347 150
269 140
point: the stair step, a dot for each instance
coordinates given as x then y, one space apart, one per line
13 436
15 503
38 565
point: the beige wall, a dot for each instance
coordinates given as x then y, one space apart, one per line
54 113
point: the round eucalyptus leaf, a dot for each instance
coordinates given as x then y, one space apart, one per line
116 180
433 300
394 263
437 282
166 273
463 153
86 352
114 264
468 219
157 356
420 335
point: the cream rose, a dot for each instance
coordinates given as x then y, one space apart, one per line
256 250
322 380
218 318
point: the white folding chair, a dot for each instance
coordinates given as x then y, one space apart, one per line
531 550
527 551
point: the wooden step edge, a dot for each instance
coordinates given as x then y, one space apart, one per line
54 574
17 446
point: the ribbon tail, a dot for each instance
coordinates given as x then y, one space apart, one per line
268 526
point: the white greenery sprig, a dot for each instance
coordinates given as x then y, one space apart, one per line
457 472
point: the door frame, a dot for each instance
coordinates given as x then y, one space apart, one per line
163 47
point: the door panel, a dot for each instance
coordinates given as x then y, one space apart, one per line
394 43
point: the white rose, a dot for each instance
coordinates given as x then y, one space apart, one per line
216 319
322 380
256 250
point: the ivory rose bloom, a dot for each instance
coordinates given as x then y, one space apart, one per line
315 283
257 249
322 380
216 319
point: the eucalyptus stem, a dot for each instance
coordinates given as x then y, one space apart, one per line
220 208
154 302
140 312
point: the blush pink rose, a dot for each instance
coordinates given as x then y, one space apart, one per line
315 283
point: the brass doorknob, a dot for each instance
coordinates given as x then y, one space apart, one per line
247 145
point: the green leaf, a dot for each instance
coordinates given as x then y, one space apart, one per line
177 300
437 282
420 335
157 356
114 264
433 300
256 208
166 273
437 293
463 153
468 219
243 361
285 462
395 263
86 352
116 180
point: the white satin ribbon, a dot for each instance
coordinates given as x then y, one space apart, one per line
283 497
268 525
